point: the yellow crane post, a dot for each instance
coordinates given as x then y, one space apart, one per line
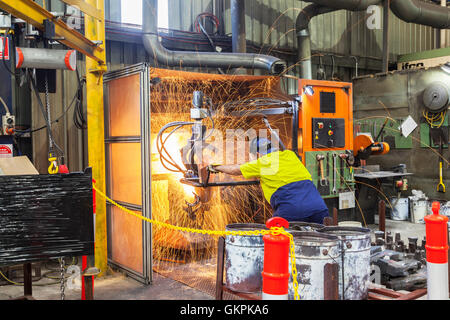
95 31
92 45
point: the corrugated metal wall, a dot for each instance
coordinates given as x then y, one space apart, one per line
268 22
273 23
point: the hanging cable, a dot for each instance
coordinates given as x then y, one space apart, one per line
5 105
200 28
75 98
42 108
78 114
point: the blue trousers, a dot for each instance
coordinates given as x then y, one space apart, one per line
299 201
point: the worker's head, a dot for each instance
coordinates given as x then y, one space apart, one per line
261 146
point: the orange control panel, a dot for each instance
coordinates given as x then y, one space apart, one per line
325 116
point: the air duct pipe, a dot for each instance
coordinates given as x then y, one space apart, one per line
238 26
199 59
317 8
419 12
304 39
351 5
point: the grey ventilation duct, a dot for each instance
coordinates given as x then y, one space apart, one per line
304 39
302 26
351 5
424 13
199 59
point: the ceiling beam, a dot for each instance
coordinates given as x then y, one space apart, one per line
34 14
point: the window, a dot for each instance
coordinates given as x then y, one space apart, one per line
132 12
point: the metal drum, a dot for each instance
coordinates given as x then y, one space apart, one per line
305 226
244 259
313 250
355 244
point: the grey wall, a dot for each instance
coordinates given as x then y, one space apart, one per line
270 30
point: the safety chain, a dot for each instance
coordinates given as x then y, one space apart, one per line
62 270
47 105
274 231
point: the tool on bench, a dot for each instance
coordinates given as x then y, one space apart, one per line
441 185
323 180
334 191
342 169
323 185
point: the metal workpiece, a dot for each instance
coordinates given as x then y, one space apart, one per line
244 259
313 251
355 244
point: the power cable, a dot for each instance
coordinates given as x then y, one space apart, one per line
75 98
48 124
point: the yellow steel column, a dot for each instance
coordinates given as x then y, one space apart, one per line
95 31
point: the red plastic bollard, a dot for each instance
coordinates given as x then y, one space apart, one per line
276 262
84 263
437 254
63 169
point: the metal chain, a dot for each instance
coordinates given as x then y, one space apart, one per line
62 287
273 231
47 104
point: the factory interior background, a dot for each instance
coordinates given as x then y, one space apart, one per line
101 184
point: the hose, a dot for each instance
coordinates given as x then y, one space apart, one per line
5 106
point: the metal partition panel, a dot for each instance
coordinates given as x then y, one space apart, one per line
126 123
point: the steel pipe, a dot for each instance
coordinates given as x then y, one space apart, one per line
317 8
352 5
200 59
420 12
46 58
239 42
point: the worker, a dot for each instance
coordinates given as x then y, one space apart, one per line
286 183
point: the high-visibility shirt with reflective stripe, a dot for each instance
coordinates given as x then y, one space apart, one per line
276 170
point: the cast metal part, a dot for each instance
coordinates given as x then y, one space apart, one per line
192 208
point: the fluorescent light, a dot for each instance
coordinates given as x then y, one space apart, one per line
308 90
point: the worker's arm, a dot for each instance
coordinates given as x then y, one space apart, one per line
234 170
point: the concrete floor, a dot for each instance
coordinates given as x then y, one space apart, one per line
116 286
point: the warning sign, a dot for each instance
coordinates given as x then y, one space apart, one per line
6 150
4 48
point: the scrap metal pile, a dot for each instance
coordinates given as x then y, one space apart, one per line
397 265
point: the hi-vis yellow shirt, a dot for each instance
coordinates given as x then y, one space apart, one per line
275 170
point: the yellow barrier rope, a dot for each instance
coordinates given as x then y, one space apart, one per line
273 231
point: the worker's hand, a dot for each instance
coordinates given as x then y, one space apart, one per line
212 168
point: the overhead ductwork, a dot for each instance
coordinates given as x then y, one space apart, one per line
351 5
199 59
424 13
304 39
317 8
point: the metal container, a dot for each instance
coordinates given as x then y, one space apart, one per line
355 245
313 250
244 259
305 226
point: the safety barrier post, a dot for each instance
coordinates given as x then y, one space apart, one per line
437 254
87 284
276 262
